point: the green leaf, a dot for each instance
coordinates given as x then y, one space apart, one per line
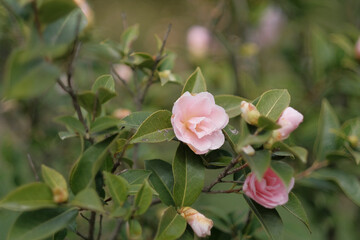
40 224
65 135
283 170
27 77
267 123
161 179
166 76
63 31
29 197
133 229
195 83
230 103
135 119
53 178
347 182
269 219
295 207
299 152
103 123
189 176
52 10
71 123
135 176
84 170
104 86
143 198
88 199
172 225
128 37
259 162
156 128
272 103
326 140
143 60
217 158
90 102
118 188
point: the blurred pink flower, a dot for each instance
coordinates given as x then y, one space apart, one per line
198 222
270 192
197 121
357 49
123 71
198 41
289 121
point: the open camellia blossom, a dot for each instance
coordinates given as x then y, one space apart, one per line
197 121
270 192
289 120
198 222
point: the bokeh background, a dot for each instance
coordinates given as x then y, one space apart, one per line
305 46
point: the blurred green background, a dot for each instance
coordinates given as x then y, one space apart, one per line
305 46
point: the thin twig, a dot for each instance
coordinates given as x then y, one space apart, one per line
223 174
315 166
84 217
237 169
100 227
116 230
124 20
80 235
36 18
31 163
118 162
92 225
223 191
122 80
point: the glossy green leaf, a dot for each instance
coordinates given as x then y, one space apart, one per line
299 152
161 179
133 229
84 170
217 158
143 60
63 31
128 37
269 219
118 188
267 123
295 207
135 119
104 87
259 162
156 128
143 198
90 102
65 135
326 140
272 103
230 103
26 76
88 199
103 123
53 178
172 225
40 224
51 10
135 176
349 183
195 83
189 176
187 235
283 170
71 123
29 197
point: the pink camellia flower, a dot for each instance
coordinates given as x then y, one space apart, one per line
270 191
289 121
197 121
357 49
198 222
198 41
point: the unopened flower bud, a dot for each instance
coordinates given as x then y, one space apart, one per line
198 222
249 150
198 41
249 113
87 11
121 113
123 71
289 121
354 140
60 194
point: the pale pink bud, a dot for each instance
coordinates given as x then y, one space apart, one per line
198 41
121 113
289 121
249 150
198 121
60 195
123 71
357 49
198 222
270 192
249 113
87 11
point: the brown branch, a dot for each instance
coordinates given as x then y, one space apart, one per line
100 227
237 169
84 217
116 230
223 191
223 174
92 226
80 235
31 163
36 18
315 166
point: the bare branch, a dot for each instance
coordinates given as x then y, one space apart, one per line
31 163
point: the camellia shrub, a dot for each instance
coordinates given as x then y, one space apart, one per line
226 144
